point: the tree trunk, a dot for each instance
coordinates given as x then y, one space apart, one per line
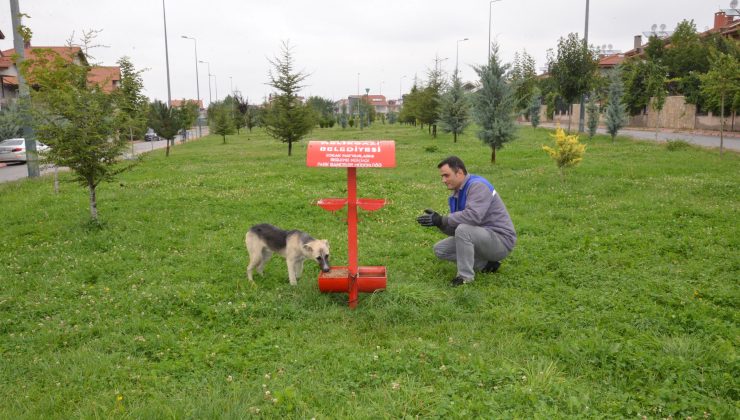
722 124
224 136
93 201
167 151
493 155
434 131
454 136
131 137
56 179
570 117
290 147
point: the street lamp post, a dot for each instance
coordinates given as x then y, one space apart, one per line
197 81
457 52
32 160
215 86
489 27
166 56
367 101
210 98
582 113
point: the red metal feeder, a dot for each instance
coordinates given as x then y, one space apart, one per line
352 279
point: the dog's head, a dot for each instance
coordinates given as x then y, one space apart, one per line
318 250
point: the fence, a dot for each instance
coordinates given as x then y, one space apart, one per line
676 114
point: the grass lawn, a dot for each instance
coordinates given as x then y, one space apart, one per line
620 300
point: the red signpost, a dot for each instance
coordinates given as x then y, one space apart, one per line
352 279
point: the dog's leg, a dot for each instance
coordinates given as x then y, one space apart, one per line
266 255
291 270
255 259
299 269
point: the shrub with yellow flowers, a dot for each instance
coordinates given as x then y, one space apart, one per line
568 151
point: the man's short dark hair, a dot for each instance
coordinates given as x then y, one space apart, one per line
454 163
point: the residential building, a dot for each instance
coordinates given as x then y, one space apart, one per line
107 77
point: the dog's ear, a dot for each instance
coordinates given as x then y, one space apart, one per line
326 243
307 248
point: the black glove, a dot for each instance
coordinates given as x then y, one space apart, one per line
430 218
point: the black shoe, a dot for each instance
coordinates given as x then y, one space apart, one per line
459 281
491 267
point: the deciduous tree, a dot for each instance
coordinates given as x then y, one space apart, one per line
77 120
721 83
573 69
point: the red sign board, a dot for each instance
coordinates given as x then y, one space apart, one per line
352 154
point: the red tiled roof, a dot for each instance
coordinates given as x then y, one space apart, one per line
107 78
610 61
10 80
6 59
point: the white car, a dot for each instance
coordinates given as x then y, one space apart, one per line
14 150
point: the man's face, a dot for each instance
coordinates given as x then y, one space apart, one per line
453 180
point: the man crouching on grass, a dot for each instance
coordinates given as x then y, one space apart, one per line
480 230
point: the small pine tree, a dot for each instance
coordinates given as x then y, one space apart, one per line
222 122
592 109
493 108
568 151
286 118
343 118
453 113
616 111
535 103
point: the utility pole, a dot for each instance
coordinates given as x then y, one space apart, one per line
24 100
166 56
582 113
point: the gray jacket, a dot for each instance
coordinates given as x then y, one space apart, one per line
485 210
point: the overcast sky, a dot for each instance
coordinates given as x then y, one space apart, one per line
334 40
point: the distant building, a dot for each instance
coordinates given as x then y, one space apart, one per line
177 103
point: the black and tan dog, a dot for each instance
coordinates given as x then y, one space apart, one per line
296 246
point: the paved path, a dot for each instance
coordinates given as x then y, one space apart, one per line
12 172
704 139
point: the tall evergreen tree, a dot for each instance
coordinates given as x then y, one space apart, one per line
616 110
454 109
493 104
535 103
343 118
165 120
221 120
524 77
131 100
592 110
286 118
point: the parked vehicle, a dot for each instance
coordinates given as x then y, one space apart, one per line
14 150
151 135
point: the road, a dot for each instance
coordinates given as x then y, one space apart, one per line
731 142
12 172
